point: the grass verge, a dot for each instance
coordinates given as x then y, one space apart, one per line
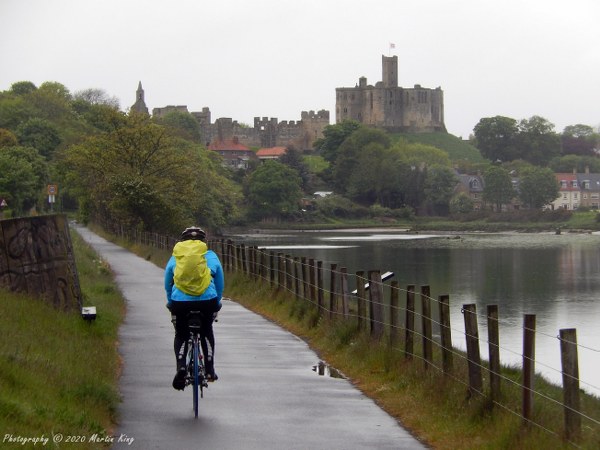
58 373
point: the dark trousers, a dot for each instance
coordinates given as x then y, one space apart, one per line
182 332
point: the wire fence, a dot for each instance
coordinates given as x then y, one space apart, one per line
418 327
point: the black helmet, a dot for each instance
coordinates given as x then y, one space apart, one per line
193 233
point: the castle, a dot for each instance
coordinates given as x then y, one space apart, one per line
388 106
385 105
266 132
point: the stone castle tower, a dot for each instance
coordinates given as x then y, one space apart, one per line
388 106
140 103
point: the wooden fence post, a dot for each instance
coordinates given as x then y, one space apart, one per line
243 258
333 307
280 273
360 298
297 281
570 371
305 287
394 312
289 272
473 354
376 303
312 281
271 269
494 350
410 322
426 326
528 366
445 333
344 292
320 298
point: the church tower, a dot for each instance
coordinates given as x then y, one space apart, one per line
140 104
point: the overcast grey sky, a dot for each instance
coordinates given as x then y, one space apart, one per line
276 58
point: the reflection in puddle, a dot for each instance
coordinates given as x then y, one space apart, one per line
326 370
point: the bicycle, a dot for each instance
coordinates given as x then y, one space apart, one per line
195 371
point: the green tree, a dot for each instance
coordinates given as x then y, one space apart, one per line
333 136
293 158
22 87
495 137
138 174
440 183
537 142
498 189
94 96
461 203
273 190
39 134
570 163
19 184
182 124
538 187
579 140
348 155
7 138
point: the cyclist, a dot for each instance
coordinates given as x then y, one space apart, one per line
181 299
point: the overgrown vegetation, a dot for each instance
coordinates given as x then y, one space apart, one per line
59 373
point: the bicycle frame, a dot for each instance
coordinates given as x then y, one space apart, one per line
196 376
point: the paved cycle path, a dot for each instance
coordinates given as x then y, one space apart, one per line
267 395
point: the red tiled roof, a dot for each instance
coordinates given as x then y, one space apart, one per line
272 151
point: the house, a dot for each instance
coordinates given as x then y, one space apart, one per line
265 154
472 185
569 192
234 154
589 185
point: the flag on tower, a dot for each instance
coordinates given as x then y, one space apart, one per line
392 45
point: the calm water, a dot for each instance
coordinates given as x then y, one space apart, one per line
555 277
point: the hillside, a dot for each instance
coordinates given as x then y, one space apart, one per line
457 149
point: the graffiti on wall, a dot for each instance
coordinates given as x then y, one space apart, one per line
36 257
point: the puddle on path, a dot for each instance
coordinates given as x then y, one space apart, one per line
326 370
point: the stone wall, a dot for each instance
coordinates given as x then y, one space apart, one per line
36 257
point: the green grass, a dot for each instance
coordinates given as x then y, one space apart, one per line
58 373
458 150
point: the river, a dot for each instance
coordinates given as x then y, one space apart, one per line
554 276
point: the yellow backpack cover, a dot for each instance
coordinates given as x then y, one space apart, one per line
191 274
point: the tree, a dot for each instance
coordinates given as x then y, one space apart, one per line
461 203
570 163
39 134
347 160
495 138
333 137
7 138
498 189
22 87
439 186
293 158
95 96
139 175
538 187
182 124
19 184
273 190
579 140
537 142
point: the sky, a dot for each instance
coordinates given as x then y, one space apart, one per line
277 58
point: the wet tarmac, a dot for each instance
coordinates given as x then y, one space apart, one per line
268 395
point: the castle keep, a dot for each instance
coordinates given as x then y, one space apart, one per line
388 106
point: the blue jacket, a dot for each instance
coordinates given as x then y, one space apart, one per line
214 290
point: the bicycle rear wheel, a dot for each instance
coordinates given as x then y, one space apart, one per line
195 374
